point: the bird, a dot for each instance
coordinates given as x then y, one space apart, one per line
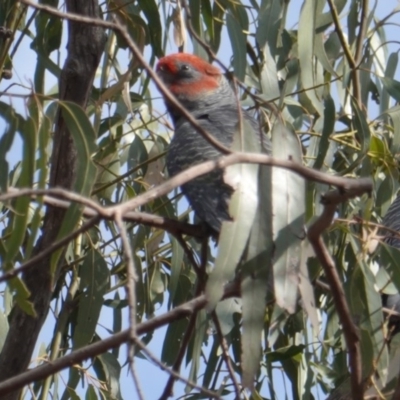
207 95
392 221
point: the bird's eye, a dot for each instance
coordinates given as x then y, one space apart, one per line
185 67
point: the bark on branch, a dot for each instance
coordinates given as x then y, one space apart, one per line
85 46
350 331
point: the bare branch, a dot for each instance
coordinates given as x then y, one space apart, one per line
130 285
49 250
187 309
350 331
365 185
93 209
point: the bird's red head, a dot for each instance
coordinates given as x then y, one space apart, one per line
188 76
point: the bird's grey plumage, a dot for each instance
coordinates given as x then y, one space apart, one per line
208 194
207 95
392 221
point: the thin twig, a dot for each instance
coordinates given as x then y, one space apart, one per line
177 376
49 250
342 38
257 99
225 354
237 157
231 290
241 157
136 381
350 331
121 29
131 292
126 208
189 254
66 194
168 390
354 62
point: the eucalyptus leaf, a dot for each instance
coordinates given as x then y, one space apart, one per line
243 205
93 286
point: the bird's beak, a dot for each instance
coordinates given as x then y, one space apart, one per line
163 74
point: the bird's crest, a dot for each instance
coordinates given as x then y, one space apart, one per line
205 78
172 62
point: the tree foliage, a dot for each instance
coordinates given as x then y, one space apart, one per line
96 239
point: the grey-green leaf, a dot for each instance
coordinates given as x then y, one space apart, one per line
288 191
243 204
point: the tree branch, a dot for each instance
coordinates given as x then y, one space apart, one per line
121 29
85 46
350 331
92 350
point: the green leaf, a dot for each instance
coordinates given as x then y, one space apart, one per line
324 20
321 55
176 267
218 15
363 133
206 12
137 156
328 129
173 341
269 76
238 43
45 122
6 141
306 288
195 354
390 260
150 10
72 394
211 365
108 370
268 24
390 71
90 393
84 137
370 314
22 295
20 206
93 286
253 292
255 279
310 75
392 86
73 380
284 353
394 114
225 310
3 329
